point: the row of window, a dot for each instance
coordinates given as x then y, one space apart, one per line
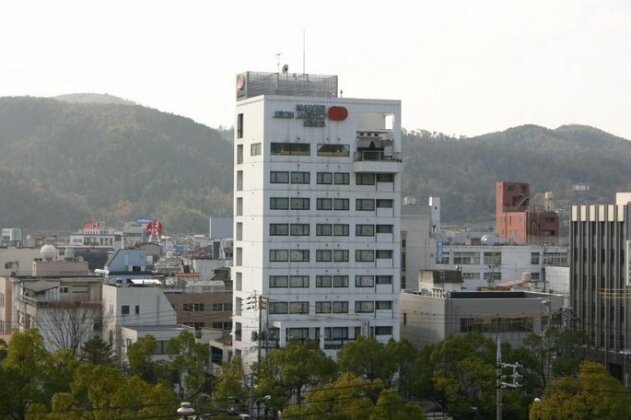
327 178
326 229
327 255
299 203
303 281
200 307
330 333
304 149
327 307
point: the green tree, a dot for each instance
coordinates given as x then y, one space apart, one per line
592 394
190 359
230 390
285 372
365 356
141 362
97 351
351 397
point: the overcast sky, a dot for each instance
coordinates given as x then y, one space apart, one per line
460 67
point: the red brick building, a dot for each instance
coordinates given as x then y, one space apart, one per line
517 221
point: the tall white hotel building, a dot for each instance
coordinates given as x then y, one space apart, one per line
317 213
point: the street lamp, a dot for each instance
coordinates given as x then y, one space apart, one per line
546 336
186 411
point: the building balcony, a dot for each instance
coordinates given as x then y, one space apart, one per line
377 161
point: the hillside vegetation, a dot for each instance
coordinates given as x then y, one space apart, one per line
97 156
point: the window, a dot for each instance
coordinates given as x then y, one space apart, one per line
239 206
255 149
384 279
199 307
336 333
324 178
340 204
384 203
238 303
534 258
278 307
324 255
291 149
492 258
323 307
534 276
340 281
218 307
383 305
324 230
240 153
365 204
61 290
334 150
383 330
383 254
365 179
300 204
324 204
339 307
340 255
299 255
340 230
239 126
364 255
299 229
466 258
279 203
300 178
298 307
125 310
299 333
299 281
364 306
237 331
385 177
323 281
279 177
278 281
341 178
364 281
278 255
137 310
239 281
384 228
364 230
279 229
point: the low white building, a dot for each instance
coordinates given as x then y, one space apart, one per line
134 306
428 317
485 265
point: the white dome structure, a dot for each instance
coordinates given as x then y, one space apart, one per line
48 252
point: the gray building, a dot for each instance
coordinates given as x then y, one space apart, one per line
600 241
428 316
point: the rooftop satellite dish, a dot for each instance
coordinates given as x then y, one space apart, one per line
285 68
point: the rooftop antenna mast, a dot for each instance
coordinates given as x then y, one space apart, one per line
278 61
304 43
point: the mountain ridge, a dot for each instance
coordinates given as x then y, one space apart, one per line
118 162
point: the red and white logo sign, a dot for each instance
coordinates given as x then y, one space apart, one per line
154 228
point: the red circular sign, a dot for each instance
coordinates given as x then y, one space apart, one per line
338 113
240 82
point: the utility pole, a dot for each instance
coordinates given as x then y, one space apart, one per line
500 384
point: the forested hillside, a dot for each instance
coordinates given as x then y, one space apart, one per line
97 156
463 171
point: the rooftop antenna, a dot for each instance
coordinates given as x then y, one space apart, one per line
278 61
304 43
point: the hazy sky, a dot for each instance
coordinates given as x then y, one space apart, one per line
464 67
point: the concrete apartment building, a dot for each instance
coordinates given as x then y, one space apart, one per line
600 275
317 205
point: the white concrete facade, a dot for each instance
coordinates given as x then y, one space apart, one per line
302 194
478 263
